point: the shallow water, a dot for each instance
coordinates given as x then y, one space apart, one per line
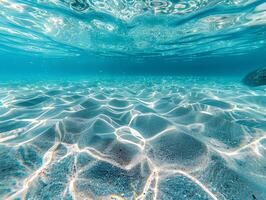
143 28
132 138
132 99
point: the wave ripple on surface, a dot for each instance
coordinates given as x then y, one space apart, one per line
183 29
179 138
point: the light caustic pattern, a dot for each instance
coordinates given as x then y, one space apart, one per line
142 139
183 29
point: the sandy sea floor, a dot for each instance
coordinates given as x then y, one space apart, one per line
133 138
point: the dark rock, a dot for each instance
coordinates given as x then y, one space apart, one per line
256 78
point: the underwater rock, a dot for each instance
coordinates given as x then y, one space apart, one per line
256 78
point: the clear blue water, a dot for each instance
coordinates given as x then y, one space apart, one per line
132 99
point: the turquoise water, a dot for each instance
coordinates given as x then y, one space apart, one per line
132 99
144 28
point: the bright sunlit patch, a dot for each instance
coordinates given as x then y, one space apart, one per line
17 7
48 108
47 28
13 6
56 20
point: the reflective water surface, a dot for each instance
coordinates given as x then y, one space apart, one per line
147 28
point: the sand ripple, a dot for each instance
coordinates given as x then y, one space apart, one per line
133 138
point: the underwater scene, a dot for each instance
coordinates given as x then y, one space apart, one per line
132 100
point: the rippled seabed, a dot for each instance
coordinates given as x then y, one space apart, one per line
134 138
133 27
